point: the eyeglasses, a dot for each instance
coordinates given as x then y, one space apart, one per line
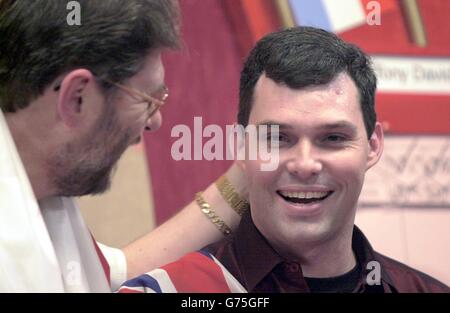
154 102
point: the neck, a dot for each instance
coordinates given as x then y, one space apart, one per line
32 150
330 259
327 258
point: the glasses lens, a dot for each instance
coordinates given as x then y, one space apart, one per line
161 94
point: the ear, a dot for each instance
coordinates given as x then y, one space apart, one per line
72 94
376 144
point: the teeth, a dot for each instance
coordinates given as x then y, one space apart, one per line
304 195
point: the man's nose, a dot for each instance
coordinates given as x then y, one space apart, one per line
304 162
154 122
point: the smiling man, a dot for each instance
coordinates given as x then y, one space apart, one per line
306 207
299 235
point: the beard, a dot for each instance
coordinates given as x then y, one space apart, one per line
86 167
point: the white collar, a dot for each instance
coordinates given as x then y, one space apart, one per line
41 253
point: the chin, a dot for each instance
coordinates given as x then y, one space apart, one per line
101 187
86 182
306 232
102 181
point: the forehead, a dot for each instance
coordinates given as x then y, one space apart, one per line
311 106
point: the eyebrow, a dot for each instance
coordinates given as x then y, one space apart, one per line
340 125
329 126
273 123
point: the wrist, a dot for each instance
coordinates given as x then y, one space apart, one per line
238 180
211 214
231 196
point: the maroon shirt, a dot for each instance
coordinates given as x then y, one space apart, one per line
256 265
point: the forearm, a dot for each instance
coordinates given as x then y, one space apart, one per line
187 231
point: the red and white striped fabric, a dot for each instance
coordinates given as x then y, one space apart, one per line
195 272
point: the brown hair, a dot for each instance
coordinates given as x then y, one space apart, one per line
37 44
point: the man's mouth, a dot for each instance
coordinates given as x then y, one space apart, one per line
304 197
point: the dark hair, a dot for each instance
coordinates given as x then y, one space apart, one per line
305 56
37 44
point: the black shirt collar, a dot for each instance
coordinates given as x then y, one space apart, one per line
257 258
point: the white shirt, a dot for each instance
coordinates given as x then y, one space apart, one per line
48 250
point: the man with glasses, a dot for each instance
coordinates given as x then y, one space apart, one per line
154 101
72 99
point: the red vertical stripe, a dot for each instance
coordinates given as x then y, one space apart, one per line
262 17
103 261
203 79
